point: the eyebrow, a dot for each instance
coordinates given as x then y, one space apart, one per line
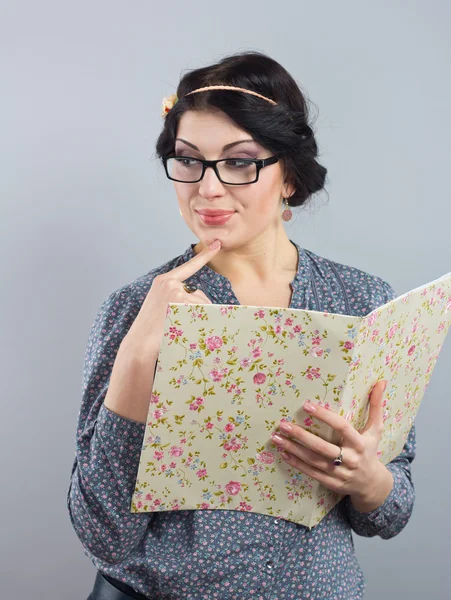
226 147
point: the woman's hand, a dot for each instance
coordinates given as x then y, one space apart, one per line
133 371
361 475
146 332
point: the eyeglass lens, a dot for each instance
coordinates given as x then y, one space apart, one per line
232 170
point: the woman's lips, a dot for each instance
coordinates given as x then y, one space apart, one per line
219 219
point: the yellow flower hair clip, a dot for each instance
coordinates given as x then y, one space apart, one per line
168 103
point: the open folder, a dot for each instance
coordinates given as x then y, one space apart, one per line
227 375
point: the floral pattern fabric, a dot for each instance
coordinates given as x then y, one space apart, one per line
225 554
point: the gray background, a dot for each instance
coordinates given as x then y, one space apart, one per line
85 208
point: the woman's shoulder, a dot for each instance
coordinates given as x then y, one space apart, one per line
360 287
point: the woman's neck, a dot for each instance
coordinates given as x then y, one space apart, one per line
264 260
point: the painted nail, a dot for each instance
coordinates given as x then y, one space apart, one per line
277 439
284 426
285 455
309 407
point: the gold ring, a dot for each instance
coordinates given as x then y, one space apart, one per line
189 289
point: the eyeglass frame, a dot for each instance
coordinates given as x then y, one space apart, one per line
260 163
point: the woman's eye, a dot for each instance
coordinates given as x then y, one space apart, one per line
186 162
238 163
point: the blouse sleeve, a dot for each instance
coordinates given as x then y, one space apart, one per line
392 516
107 446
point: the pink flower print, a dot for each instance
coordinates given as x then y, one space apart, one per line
216 375
260 314
393 330
321 502
398 416
385 417
158 455
372 318
245 362
388 358
441 327
213 342
374 334
316 341
154 399
265 457
259 378
308 422
157 502
244 506
232 445
290 496
297 329
192 346
411 350
313 373
316 352
229 427
139 504
209 425
256 352
157 414
288 322
176 451
327 406
201 473
278 329
349 345
149 497
163 468
172 465
233 488
288 382
205 505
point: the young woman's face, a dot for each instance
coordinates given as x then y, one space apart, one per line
255 208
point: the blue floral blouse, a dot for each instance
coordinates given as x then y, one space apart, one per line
205 554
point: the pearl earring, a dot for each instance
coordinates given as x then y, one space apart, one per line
287 214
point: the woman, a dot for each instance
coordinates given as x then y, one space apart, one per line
267 153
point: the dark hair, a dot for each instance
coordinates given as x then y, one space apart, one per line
283 129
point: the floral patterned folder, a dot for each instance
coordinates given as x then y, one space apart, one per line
226 375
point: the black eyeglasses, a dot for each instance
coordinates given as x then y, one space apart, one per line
231 171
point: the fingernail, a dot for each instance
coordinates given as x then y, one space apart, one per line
216 244
309 407
284 426
276 438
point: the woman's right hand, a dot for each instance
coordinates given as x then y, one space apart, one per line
146 333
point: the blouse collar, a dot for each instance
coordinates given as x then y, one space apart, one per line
214 279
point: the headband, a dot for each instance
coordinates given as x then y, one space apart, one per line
169 101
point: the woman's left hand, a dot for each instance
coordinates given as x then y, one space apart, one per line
362 475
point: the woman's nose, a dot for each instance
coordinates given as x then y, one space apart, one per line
210 185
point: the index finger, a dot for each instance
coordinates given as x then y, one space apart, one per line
337 422
197 262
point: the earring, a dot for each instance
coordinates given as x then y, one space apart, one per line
286 214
